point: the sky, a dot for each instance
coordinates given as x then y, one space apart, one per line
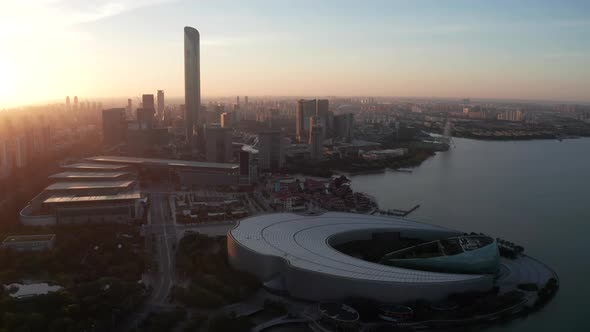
438 48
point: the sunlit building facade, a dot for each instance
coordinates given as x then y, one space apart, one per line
192 81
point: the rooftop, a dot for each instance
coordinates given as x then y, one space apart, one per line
304 242
28 238
96 175
162 162
73 198
97 166
88 185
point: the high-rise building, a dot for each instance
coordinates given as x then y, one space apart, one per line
238 100
323 114
145 118
305 110
248 168
75 103
147 101
161 104
192 81
343 126
129 108
228 119
114 126
68 105
246 100
322 109
218 144
270 150
316 141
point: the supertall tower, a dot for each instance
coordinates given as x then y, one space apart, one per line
192 81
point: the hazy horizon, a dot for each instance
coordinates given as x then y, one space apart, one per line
530 50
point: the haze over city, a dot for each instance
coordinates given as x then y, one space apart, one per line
452 49
294 166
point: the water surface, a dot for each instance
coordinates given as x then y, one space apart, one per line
534 193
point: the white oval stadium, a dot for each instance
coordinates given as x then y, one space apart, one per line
295 254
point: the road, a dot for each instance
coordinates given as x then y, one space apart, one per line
164 233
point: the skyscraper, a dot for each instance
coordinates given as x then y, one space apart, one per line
322 109
114 126
316 141
68 105
218 144
228 119
305 110
322 115
76 103
147 102
145 118
343 124
192 81
270 150
160 103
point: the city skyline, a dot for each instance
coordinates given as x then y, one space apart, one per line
501 50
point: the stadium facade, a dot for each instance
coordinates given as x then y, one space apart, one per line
295 255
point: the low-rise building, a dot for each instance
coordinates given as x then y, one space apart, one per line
384 154
29 242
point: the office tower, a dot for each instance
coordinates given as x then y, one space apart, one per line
270 150
75 103
322 110
114 126
145 118
68 105
192 82
129 108
147 102
322 114
316 141
218 144
238 100
244 160
343 126
228 119
305 110
246 100
161 105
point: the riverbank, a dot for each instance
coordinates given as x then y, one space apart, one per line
357 165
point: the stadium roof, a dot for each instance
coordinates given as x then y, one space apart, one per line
304 242
72 198
93 175
162 162
97 166
89 185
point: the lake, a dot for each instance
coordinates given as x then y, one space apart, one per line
533 193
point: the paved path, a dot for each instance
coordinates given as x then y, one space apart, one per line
522 270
